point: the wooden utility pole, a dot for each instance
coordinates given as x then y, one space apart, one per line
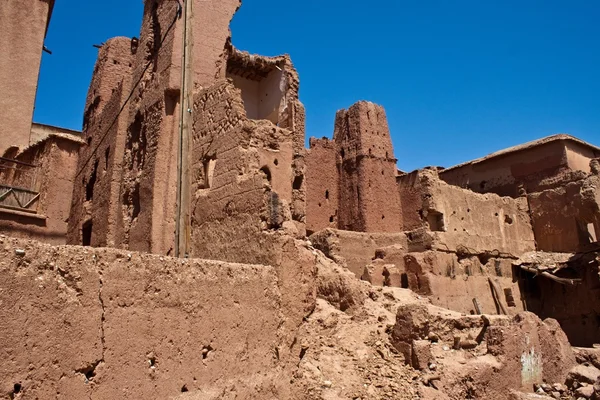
182 232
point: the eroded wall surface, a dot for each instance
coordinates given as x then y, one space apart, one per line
506 172
567 217
365 199
322 188
463 221
96 202
79 323
22 33
53 178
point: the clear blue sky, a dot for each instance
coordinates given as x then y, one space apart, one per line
459 79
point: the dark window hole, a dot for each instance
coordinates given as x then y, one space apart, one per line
267 172
86 234
276 162
303 352
184 389
17 388
404 281
331 219
298 180
508 219
327 194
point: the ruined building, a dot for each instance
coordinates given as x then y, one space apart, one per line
37 162
333 273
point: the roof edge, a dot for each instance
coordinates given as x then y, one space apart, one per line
525 146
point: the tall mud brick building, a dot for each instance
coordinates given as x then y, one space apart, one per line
186 245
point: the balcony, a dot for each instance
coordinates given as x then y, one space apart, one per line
19 186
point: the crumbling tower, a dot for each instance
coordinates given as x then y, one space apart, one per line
21 44
367 169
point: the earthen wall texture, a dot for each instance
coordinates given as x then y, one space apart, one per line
96 196
53 178
567 217
22 35
575 307
463 221
505 174
322 185
101 323
242 174
368 200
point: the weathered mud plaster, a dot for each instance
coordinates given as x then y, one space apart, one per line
22 33
106 324
365 199
567 218
462 221
48 176
247 174
522 167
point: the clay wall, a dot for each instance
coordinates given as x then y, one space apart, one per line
463 221
453 281
567 217
575 307
366 199
55 160
356 250
504 173
96 204
102 323
579 156
40 132
322 185
242 174
22 33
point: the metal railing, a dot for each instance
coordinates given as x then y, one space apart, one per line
18 185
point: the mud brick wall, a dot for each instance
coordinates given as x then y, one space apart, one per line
79 323
22 34
567 217
322 185
56 159
509 171
463 221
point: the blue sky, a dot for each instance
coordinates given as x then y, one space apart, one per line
458 79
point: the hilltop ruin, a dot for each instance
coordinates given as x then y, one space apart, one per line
332 274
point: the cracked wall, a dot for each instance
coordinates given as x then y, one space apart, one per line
365 171
247 174
106 324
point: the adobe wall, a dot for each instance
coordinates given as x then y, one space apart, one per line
96 203
453 281
40 132
22 34
575 307
567 217
53 178
580 156
365 199
322 185
355 250
107 324
367 196
463 221
504 174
